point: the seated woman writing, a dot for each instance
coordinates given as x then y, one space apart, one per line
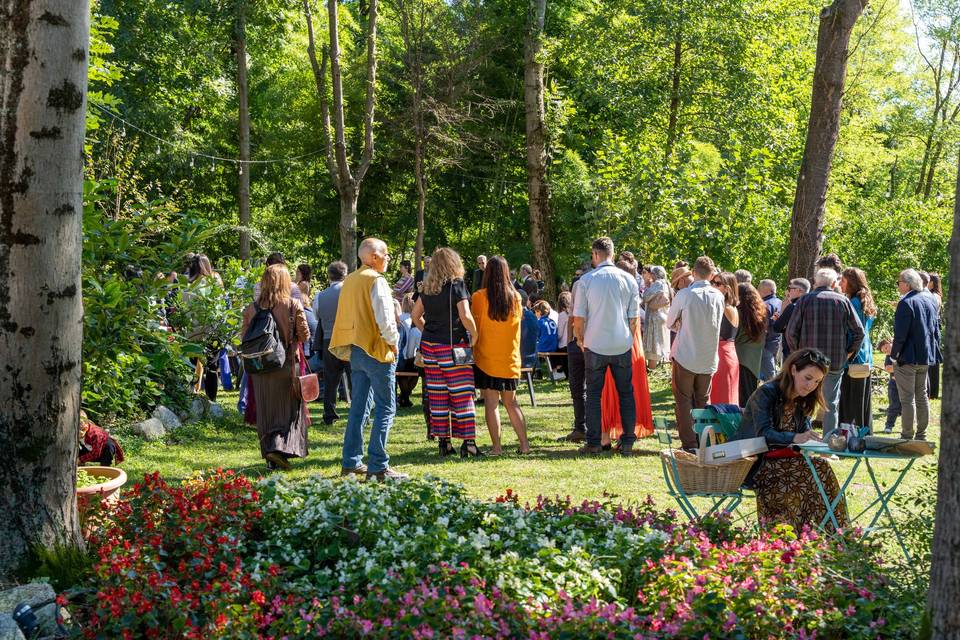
780 411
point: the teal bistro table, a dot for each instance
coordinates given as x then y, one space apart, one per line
882 501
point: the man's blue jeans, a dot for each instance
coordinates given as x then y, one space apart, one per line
621 367
831 396
373 387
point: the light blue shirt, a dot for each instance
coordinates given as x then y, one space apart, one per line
699 308
607 299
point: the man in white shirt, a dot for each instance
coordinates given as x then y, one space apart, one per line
605 315
698 309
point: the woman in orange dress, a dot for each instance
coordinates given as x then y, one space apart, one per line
610 425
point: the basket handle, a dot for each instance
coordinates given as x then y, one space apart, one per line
706 435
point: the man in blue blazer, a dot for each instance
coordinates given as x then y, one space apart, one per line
916 346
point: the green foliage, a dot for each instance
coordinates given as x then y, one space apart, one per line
64 564
138 332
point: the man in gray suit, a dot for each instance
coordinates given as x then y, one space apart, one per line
325 309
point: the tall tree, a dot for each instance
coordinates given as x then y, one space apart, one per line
538 188
44 48
243 184
823 127
944 593
346 181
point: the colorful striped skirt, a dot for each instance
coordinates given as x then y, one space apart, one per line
449 392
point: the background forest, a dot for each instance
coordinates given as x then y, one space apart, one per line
676 128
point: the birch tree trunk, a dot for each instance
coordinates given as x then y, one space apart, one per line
345 180
944 591
243 187
44 46
829 76
538 189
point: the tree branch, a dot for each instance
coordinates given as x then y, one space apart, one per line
320 77
368 108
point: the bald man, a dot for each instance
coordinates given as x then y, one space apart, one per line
365 335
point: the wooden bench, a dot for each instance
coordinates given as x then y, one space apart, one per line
545 357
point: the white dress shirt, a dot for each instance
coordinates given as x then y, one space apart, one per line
607 299
381 297
699 308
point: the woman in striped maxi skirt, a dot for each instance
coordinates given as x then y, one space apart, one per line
442 313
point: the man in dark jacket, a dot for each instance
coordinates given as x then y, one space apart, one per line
916 346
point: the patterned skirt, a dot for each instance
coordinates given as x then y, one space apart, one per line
449 392
788 494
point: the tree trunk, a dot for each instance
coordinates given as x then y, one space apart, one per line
243 187
44 48
829 75
675 92
346 183
944 591
421 198
538 189
932 170
348 226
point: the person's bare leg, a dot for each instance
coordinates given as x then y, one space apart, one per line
516 418
491 412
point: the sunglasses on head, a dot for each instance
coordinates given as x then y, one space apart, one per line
814 357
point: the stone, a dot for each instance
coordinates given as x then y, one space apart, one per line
167 417
41 598
198 408
9 629
150 429
215 411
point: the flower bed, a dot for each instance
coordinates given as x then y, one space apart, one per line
219 557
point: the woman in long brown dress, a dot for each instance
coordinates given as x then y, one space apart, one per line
780 411
281 418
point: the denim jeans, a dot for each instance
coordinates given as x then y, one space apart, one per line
595 366
831 396
768 362
893 404
373 388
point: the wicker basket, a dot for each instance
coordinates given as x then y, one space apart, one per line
697 477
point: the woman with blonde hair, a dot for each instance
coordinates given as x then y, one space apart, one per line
281 418
855 392
442 313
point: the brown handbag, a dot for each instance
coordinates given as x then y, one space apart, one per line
306 388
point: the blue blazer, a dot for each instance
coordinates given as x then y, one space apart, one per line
916 330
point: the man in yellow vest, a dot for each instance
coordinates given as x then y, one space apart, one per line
365 335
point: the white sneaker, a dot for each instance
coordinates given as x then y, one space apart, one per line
558 375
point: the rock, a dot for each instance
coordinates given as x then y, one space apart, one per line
198 408
9 629
168 418
215 411
151 429
40 596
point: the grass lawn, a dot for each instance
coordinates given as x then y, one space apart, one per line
553 468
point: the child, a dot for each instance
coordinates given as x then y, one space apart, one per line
893 396
547 340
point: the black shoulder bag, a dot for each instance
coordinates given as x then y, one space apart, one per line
462 356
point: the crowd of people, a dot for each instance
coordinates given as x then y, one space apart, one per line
791 366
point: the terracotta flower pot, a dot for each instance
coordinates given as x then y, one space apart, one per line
112 479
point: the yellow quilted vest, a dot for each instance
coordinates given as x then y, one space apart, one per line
356 323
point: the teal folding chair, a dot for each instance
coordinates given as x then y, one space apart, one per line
715 502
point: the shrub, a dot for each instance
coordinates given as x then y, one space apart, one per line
420 559
171 563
